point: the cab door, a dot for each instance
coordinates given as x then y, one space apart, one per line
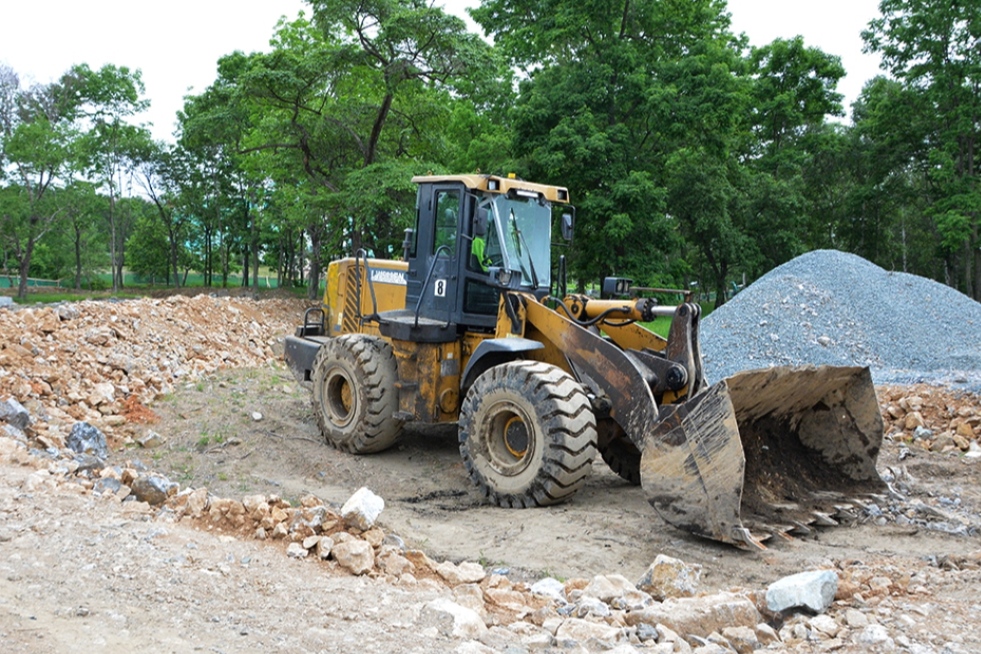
438 247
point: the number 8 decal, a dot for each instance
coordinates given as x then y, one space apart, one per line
440 288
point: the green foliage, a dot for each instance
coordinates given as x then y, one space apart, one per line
690 156
147 249
931 50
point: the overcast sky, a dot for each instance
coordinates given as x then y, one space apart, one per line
177 44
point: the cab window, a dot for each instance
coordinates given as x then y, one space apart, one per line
446 221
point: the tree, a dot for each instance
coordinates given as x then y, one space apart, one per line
931 48
81 248
612 91
164 172
148 248
105 100
36 144
793 93
337 118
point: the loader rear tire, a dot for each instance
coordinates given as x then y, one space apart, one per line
527 434
354 394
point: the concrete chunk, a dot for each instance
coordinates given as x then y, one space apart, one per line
362 509
814 591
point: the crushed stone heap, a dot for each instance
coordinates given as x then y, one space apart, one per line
833 308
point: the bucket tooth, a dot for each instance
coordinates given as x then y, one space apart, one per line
824 519
742 537
801 529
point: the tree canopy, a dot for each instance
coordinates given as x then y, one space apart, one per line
692 157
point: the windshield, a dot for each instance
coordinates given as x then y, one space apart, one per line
523 229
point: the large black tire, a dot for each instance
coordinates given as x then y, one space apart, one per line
618 451
354 394
527 434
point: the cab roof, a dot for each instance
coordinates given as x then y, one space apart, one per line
496 184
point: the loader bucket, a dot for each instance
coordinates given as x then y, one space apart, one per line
765 452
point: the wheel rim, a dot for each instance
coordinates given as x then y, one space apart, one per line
340 401
510 446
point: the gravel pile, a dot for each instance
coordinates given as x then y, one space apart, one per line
832 308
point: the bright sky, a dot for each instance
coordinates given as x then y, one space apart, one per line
177 44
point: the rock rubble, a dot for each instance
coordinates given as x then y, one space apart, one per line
64 371
102 362
847 605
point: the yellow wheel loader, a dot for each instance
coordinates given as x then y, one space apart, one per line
466 329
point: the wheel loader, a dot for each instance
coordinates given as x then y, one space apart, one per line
466 328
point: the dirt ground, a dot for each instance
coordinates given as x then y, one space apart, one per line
78 570
213 440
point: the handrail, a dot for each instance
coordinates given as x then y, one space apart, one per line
371 287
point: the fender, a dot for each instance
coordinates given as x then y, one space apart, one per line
494 351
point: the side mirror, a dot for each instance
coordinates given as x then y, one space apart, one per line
567 226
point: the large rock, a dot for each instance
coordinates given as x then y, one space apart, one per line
355 555
582 631
608 587
466 572
617 591
451 619
153 489
86 439
699 616
550 587
742 639
814 591
14 433
362 509
670 577
14 414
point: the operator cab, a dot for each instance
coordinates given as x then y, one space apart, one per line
474 236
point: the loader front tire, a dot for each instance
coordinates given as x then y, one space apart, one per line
354 394
527 434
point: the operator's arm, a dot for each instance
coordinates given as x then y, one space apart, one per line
477 250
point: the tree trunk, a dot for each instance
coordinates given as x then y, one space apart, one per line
245 266
316 246
23 267
78 258
173 256
255 251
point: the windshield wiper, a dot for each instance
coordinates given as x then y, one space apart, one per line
521 242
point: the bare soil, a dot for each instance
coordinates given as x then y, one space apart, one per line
214 441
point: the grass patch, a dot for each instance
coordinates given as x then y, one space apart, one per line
68 296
